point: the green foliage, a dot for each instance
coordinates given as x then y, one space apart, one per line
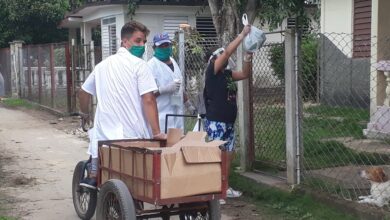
194 52
6 218
73 4
131 7
308 65
273 12
33 21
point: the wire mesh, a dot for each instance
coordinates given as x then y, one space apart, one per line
194 48
345 112
268 108
44 79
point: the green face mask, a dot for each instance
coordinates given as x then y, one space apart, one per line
163 54
137 51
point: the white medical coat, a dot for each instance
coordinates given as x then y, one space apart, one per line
118 82
164 75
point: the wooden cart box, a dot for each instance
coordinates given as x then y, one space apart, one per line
153 172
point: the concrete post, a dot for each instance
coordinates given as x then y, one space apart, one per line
243 103
292 108
16 67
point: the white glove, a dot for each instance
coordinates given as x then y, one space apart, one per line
172 87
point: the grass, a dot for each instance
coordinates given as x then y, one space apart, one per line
13 103
287 205
330 187
270 141
6 218
320 125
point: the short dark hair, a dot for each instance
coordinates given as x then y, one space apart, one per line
130 27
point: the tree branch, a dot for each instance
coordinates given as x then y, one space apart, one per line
251 9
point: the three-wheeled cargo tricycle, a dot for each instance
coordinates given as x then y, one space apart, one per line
133 188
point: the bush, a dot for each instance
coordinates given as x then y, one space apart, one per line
308 63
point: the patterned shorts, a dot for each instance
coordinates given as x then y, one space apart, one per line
221 131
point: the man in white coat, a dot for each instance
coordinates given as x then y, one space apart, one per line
169 80
124 86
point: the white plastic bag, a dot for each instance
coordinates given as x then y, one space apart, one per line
255 39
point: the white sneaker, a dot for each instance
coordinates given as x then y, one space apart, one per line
231 193
222 202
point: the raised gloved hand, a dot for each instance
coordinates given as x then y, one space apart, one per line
172 87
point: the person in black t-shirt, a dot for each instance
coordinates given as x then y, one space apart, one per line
220 95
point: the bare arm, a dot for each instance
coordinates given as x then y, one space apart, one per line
150 111
221 60
84 101
246 69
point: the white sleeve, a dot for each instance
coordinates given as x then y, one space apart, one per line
152 67
145 80
90 85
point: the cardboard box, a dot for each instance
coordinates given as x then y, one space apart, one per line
190 166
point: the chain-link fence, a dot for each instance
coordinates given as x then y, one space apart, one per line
340 135
5 69
84 57
343 111
268 108
44 77
192 49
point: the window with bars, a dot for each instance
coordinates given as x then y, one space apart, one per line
362 29
112 38
109 39
205 27
171 24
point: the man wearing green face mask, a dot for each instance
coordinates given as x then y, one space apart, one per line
124 86
169 80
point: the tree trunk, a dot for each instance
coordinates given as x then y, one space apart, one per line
227 15
224 20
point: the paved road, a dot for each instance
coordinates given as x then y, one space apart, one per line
39 161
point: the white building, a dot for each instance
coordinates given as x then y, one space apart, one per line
157 15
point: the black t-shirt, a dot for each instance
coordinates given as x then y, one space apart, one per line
171 66
220 95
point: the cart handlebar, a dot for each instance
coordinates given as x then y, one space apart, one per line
198 116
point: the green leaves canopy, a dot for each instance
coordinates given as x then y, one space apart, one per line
33 21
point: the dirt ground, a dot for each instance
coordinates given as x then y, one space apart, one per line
38 155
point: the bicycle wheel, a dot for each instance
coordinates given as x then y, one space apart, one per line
115 202
84 200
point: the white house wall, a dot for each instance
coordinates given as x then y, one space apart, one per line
104 12
337 20
153 16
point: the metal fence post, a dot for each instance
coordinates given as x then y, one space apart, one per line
292 121
69 77
52 77
244 103
40 74
29 75
73 73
